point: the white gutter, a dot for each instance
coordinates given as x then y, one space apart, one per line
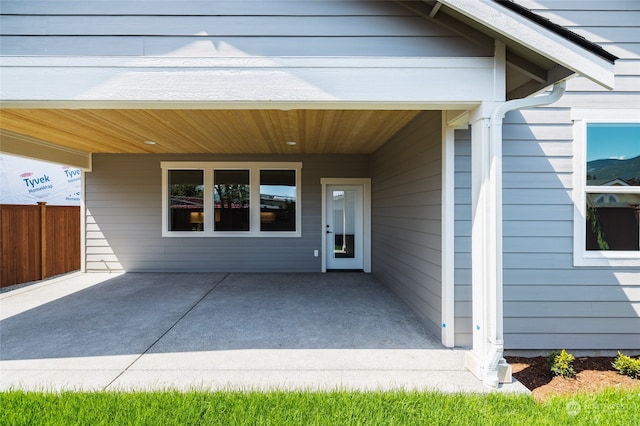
494 295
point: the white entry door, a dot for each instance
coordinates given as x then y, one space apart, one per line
345 226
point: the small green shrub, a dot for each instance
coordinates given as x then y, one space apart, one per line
561 363
627 365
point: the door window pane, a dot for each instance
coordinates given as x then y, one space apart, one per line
186 189
278 195
231 200
344 223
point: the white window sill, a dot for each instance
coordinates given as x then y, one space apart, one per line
608 258
230 234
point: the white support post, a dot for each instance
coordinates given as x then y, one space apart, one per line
479 175
486 360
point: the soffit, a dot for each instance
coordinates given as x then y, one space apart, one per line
210 131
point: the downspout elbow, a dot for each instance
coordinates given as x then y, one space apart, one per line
501 110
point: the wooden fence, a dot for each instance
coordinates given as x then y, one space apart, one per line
37 242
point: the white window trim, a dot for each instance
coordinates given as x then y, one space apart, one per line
582 256
254 181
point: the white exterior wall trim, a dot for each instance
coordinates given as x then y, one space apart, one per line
83 224
448 232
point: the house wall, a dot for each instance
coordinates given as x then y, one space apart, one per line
406 216
324 51
549 303
201 29
123 219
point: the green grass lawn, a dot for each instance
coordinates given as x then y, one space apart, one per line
313 408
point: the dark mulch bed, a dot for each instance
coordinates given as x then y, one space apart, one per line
592 374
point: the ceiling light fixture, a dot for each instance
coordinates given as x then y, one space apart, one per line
292 143
149 142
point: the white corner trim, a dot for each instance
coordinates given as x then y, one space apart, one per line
448 235
83 224
536 38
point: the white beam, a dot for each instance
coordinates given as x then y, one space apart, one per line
27 146
278 82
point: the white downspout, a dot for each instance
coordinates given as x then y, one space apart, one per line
494 296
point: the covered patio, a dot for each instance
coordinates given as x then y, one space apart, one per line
221 331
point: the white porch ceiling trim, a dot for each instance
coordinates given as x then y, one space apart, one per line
536 38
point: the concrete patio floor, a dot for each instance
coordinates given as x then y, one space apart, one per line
211 331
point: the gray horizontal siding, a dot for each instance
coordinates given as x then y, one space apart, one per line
107 25
462 242
580 308
205 46
198 7
406 217
123 224
223 29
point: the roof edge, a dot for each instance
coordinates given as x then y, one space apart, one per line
558 29
586 59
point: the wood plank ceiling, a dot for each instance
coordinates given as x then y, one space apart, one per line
209 131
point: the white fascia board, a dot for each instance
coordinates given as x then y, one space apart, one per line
272 82
536 38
